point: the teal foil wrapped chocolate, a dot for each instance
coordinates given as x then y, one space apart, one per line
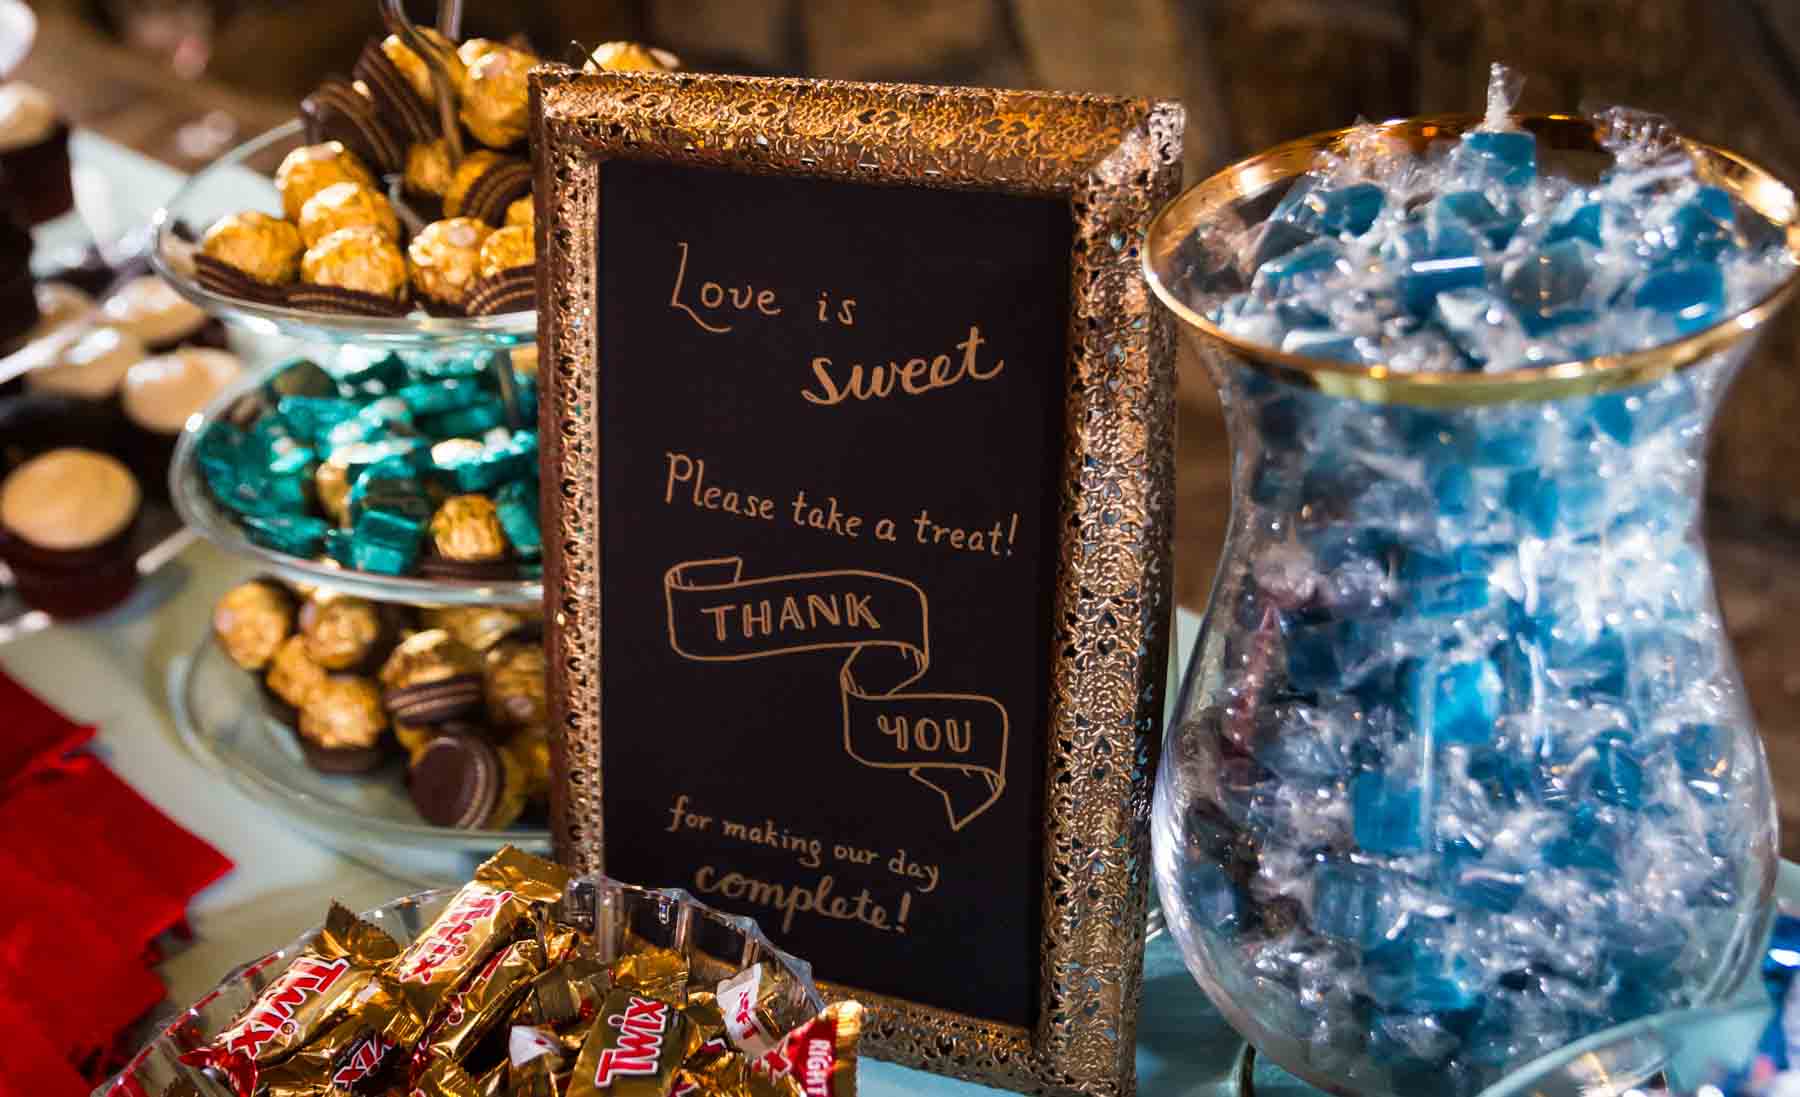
385 542
294 534
391 485
517 506
366 374
496 464
437 397
469 422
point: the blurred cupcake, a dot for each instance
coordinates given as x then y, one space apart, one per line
18 299
66 524
59 304
162 319
34 154
91 368
158 395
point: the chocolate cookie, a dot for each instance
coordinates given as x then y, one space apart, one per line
338 112
512 290
435 702
397 106
457 781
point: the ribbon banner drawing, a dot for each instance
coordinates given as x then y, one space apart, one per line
954 743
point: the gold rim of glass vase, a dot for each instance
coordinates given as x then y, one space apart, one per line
1750 183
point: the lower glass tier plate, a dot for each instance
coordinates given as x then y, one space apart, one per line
369 818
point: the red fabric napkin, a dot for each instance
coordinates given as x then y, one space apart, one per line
96 875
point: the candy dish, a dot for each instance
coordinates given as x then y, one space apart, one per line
624 918
188 489
243 179
220 716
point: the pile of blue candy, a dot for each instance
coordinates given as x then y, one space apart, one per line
385 463
1476 776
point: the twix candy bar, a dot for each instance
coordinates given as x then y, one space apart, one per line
749 1003
820 1055
634 1048
444 1078
319 983
473 1009
657 972
508 887
355 1055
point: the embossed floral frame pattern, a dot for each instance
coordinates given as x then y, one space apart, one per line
1116 162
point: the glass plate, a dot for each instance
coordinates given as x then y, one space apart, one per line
187 487
244 178
625 919
221 717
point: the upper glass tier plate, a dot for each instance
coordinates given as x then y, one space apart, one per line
244 178
187 487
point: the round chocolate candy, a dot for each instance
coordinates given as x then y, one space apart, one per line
467 528
265 248
507 249
331 483
293 676
630 57
347 206
445 259
342 632
432 677
413 67
361 260
480 627
515 684
531 746
474 49
495 97
309 169
341 725
251 621
428 168
522 211
466 782
477 163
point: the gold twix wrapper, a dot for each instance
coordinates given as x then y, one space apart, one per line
482 916
473 1009
820 1055
657 972
634 1049
320 981
445 1078
354 1056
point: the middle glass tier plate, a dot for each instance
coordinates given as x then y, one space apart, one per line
194 501
243 179
221 717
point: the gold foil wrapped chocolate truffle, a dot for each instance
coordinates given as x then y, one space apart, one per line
495 97
413 737
445 259
347 206
630 57
515 683
522 211
357 259
292 674
480 627
531 746
341 631
507 248
428 169
344 713
475 164
429 656
413 67
331 483
251 621
467 528
309 169
263 247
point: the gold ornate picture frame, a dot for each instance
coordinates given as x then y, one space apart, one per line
1115 162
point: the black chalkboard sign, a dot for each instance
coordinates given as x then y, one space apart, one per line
858 441
830 440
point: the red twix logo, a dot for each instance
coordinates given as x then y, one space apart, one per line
458 1006
447 938
365 1058
640 1041
306 978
